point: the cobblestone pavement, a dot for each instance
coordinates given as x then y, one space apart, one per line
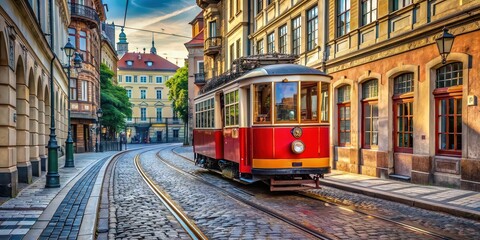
18 215
217 215
139 214
437 222
65 223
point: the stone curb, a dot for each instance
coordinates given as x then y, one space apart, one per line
456 211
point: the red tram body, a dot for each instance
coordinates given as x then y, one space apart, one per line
270 124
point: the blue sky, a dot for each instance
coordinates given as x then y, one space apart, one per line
169 16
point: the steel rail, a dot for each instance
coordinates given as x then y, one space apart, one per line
265 210
325 200
190 227
348 208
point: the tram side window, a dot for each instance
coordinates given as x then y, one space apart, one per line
286 101
325 100
263 103
205 114
231 109
309 101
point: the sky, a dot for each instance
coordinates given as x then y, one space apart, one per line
168 16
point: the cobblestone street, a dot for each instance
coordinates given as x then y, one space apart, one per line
139 213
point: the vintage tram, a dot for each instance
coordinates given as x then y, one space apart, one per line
270 124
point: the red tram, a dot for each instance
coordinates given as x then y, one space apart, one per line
270 124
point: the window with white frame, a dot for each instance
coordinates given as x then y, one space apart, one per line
231 109
260 46
312 28
271 43
369 11
143 114
159 94
128 79
343 17
282 40
129 93
84 91
158 79
143 79
143 93
159 114
296 35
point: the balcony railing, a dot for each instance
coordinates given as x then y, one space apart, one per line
153 120
213 45
83 11
205 3
200 79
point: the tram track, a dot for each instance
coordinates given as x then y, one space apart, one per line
346 207
287 220
188 225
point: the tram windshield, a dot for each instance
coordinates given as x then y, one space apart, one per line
286 101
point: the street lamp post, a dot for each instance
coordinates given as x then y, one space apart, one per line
69 50
99 116
444 44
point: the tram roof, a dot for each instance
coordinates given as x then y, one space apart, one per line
281 70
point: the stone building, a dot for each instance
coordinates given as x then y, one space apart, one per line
109 54
397 110
143 75
27 64
85 34
196 73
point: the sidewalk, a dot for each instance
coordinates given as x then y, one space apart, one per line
35 203
457 202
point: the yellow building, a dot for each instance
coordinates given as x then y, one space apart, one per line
143 75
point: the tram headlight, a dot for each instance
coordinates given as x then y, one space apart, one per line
298 146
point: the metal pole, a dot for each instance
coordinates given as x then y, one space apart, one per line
69 161
100 132
52 178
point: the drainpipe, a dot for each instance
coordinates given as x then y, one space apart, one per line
53 178
249 22
325 36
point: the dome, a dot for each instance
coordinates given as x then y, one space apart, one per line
122 37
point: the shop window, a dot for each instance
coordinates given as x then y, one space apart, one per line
403 112
343 106
448 108
370 113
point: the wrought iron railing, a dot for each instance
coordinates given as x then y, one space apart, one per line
84 11
199 78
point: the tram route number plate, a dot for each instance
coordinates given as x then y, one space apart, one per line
296 164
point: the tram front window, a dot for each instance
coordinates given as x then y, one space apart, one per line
262 103
286 94
309 101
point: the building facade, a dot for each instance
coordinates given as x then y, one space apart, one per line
85 34
143 75
109 54
396 111
196 69
31 34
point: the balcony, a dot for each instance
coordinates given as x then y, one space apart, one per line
213 46
148 121
200 79
83 13
204 3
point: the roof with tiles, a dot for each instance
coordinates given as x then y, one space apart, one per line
145 62
197 40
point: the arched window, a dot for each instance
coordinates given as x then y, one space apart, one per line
448 108
403 112
370 113
343 106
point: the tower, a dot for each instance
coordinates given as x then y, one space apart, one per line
122 44
153 50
